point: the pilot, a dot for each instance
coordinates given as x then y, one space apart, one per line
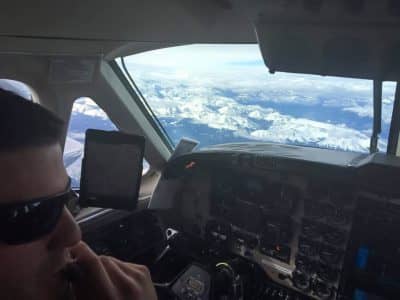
38 236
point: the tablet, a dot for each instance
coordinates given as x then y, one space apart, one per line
111 169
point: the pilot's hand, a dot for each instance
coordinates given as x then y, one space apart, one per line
106 278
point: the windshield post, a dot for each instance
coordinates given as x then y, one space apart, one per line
377 122
395 124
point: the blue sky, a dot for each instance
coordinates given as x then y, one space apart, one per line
199 57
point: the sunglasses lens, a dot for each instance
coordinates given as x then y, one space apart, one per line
31 221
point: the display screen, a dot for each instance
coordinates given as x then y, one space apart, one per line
112 168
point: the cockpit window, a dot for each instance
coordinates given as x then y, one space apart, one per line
85 114
224 93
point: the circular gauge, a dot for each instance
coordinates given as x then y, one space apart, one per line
301 280
322 290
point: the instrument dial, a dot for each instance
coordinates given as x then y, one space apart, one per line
301 280
322 290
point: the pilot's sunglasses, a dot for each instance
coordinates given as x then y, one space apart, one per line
33 219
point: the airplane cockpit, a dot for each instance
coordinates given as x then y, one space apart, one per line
265 135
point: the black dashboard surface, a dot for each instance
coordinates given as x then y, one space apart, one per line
319 222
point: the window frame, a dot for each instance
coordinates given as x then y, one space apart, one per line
138 101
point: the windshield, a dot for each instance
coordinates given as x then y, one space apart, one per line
224 93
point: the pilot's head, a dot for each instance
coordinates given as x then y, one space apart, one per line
35 228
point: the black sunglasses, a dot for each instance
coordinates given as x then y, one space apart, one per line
31 220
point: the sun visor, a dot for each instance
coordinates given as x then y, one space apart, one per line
333 38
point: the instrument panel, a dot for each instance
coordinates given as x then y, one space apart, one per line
303 221
295 228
